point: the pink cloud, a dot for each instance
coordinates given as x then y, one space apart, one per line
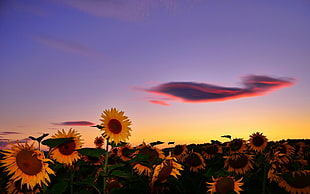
192 92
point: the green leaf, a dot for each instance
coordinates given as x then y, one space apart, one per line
170 142
156 143
93 152
98 126
55 142
60 187
39 139
120 173
139 158
120 144
226 136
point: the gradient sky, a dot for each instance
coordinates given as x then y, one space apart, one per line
63 62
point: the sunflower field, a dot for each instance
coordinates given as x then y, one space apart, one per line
254 165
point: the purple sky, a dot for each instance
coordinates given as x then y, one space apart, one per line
63 62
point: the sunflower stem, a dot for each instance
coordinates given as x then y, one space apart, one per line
264 178
71 179
105 167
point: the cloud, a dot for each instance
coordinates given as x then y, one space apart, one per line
121 9
4 143
75 123
192 92
67 46
9 133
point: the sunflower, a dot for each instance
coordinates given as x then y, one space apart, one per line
27 165
258 142
66 153
298 182
209 151
113 183
299 148
236 146
195 161
168 167
99 141
225 185
142 169
115 125
93 160
16 188
152 152
286 149
124 152
239 163
179 152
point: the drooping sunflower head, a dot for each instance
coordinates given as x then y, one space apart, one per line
299 148
258 142
99 141
194 161
286 149
210 151
27 165
179 152
236 145
239 163
225 185
115 125
142 169
169 167
125 152
113 183
296 182
66 153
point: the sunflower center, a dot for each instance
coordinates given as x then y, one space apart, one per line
224 185
212 149
67 148
28 162
258 141
238 162
149 152
115 126
164 173
193 160
299 181
236 144
178 150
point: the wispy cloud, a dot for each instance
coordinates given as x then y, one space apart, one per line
67 45
193 92
9 133
119 9
75 123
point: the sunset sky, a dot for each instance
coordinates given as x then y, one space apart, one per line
186 71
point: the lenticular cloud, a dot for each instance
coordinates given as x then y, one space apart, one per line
192 92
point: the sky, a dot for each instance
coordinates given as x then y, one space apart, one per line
183 71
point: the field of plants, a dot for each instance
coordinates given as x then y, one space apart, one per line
253 165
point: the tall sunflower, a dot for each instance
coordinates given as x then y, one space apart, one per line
194 161
115 125
66 153
258 142
26 165
225 185
239 163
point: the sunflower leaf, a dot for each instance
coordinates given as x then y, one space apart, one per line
98 126
53 142
120 173
226 136
93 152
156 143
